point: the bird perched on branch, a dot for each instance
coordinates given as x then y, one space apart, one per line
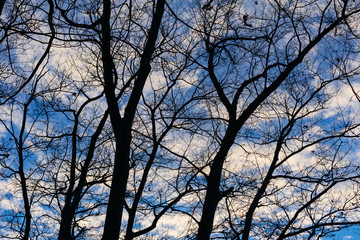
226 192
245 19
207 6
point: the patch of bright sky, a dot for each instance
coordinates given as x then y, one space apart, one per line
351 233
345 99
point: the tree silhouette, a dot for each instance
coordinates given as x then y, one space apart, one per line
179 119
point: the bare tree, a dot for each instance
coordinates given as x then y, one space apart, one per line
21 81
235 49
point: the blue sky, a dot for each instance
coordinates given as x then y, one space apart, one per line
346 234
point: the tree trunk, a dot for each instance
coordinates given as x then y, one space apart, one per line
65 224
72 199
2 3
24 189
213 195
122 126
